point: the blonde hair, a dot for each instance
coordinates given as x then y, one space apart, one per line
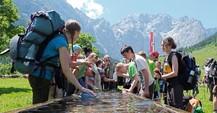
119 66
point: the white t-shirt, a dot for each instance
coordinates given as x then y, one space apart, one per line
207 69
115 77
142 64
97 77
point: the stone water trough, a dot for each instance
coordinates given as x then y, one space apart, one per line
106 102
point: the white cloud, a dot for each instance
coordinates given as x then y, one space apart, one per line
76 3
90 7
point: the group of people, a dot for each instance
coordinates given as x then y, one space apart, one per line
139 74
88 73
210 79
71 71
149 77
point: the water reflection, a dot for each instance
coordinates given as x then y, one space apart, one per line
104 103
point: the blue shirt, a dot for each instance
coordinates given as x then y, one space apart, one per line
51 50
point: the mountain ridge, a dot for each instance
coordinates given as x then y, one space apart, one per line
132 30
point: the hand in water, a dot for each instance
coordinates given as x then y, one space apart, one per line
126 91
88 91
96 89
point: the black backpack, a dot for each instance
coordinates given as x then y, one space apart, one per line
187 72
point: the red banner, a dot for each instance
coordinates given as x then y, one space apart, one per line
151 42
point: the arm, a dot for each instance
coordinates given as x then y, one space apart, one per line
146 75
98 80
143 68
134 83
74 64
65 65
90 85
123 75
108 79
175 68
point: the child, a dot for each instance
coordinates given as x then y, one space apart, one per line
129 71
78 67
90 77
157 77
75 56
101 71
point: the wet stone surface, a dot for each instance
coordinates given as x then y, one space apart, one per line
104 103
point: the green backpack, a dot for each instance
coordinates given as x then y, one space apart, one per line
26 50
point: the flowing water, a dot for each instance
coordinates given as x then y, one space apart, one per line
104 103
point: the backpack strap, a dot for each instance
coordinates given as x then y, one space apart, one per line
48 59
44 45
179 59
42 65
169 58
169 61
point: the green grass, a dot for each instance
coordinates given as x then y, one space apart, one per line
203 96
208 51
14 93
202 54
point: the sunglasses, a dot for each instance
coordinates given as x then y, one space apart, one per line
106 60
164 44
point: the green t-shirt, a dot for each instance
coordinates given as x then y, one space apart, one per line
151 64
156 85
132 71
82 69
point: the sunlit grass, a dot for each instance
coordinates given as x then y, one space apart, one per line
14 93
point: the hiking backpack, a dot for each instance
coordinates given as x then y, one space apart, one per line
213 69
26 50
211 64
188 70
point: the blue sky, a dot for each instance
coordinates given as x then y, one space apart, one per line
114 10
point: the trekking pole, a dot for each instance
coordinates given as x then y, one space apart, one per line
153 92
204 90
5 51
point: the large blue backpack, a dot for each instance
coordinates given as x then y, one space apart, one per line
26 50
